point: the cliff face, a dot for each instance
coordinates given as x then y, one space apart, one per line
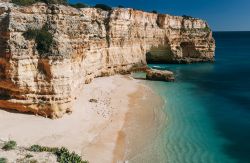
87 43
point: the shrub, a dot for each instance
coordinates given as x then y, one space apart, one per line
93 100
79 5
120 6
3 160
103 7
30 2
38 148
63 2
28 156
154 11
206 29
187 17
43 39
24 2
9 145
63 154
31 34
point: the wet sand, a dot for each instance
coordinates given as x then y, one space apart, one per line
141 132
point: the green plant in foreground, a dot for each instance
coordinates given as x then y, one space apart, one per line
3 160
9 145
38 148
63 154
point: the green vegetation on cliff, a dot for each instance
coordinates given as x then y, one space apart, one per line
63 2
42 37
187 17
103 7
79 5
207 29
30 2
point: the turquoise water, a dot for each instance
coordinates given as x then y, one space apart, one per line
208 107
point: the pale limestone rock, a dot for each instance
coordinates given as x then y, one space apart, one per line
88 43
159 75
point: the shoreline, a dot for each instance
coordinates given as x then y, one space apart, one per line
143 125
99 131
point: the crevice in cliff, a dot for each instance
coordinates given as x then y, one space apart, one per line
107 27
4 34
44 69
189 50
4 94
160 21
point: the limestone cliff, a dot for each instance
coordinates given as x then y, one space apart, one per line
87 43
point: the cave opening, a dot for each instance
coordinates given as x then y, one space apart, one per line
188 50
159 54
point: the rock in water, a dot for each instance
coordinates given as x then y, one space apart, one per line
160 75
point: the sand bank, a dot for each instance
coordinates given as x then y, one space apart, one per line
121 123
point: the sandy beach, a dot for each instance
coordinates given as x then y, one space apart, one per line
119 124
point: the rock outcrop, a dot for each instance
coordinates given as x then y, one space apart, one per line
87 43
160 75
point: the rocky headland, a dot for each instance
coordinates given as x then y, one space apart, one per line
86 43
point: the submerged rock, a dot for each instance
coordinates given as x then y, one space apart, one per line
160 75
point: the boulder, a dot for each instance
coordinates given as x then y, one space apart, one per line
160 75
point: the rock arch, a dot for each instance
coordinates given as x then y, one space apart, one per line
160 53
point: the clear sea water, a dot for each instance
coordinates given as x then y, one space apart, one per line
208 107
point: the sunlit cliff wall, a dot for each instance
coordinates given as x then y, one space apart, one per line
87 43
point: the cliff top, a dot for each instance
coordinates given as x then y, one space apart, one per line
72 9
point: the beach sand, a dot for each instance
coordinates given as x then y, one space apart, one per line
122 125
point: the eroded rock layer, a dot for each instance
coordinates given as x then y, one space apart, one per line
87 43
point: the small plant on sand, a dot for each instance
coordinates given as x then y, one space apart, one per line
3 160
9 145
28 155
63 154
38 148
93 100
33 161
